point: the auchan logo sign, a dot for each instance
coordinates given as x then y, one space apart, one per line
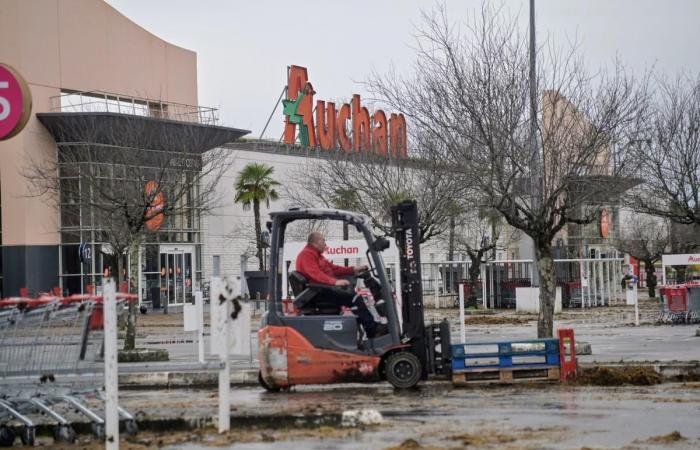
339 250
369 133
15 102
693 259
343 250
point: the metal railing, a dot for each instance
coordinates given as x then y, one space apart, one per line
583 282
98 101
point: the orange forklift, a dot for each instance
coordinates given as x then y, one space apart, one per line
317 344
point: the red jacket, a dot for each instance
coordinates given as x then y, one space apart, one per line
318 269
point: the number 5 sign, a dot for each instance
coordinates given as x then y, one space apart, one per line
15 102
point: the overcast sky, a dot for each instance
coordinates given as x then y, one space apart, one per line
244 47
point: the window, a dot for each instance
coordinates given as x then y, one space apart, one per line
216 266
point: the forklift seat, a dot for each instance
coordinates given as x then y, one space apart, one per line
304 293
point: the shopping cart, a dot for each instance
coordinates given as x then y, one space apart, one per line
43 342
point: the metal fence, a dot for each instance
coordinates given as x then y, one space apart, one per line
582 282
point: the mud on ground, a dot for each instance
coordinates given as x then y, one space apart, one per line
618 376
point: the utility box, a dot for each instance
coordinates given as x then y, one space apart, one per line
631 290
527 300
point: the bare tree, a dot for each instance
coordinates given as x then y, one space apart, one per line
646 239
128 183
375 183
480 232
469 91
669 162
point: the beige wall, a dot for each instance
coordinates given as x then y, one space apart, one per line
81 45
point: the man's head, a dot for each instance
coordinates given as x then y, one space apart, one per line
317 241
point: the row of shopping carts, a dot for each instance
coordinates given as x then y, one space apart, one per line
680 304
51 366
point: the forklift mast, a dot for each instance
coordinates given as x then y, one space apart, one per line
404 218
431 344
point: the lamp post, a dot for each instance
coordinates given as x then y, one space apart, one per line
535 179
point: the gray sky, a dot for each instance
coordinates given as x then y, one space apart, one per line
244 47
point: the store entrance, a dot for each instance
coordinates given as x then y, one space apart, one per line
176 272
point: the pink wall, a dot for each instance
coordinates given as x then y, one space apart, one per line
81 45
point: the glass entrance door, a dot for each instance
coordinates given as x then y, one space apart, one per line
176 271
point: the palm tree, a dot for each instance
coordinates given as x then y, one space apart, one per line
254 185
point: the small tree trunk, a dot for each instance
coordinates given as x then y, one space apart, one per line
545 269
651 277
130 341
451 241
474 272
130 338
258 232
680 274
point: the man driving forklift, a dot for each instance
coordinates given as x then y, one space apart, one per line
317 269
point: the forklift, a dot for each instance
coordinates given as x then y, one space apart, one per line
317 344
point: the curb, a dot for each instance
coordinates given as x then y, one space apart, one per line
670 371
174 379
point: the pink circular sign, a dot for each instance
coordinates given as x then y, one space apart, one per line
15 102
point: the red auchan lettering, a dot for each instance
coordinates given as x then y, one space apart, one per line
371 133
694 259
342 250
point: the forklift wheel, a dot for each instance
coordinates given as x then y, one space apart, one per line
7 436
403 370
267 387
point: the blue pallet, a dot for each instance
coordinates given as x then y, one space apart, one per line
464 361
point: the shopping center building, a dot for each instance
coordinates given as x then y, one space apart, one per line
95 77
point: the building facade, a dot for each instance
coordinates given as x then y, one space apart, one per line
109 98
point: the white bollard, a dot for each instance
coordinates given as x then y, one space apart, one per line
109 306
482 274
220 338
462 331
193 317
222 341
436 297
199 303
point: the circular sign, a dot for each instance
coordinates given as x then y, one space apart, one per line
154 216
15 102
604 224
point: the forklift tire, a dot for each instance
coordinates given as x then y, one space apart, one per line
28 436
267 387
403 370
7 437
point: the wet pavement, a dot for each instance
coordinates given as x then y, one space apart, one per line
440 416
437 416
609 330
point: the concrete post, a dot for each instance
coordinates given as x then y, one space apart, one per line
109 306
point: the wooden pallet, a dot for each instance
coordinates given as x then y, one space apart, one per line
506 376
